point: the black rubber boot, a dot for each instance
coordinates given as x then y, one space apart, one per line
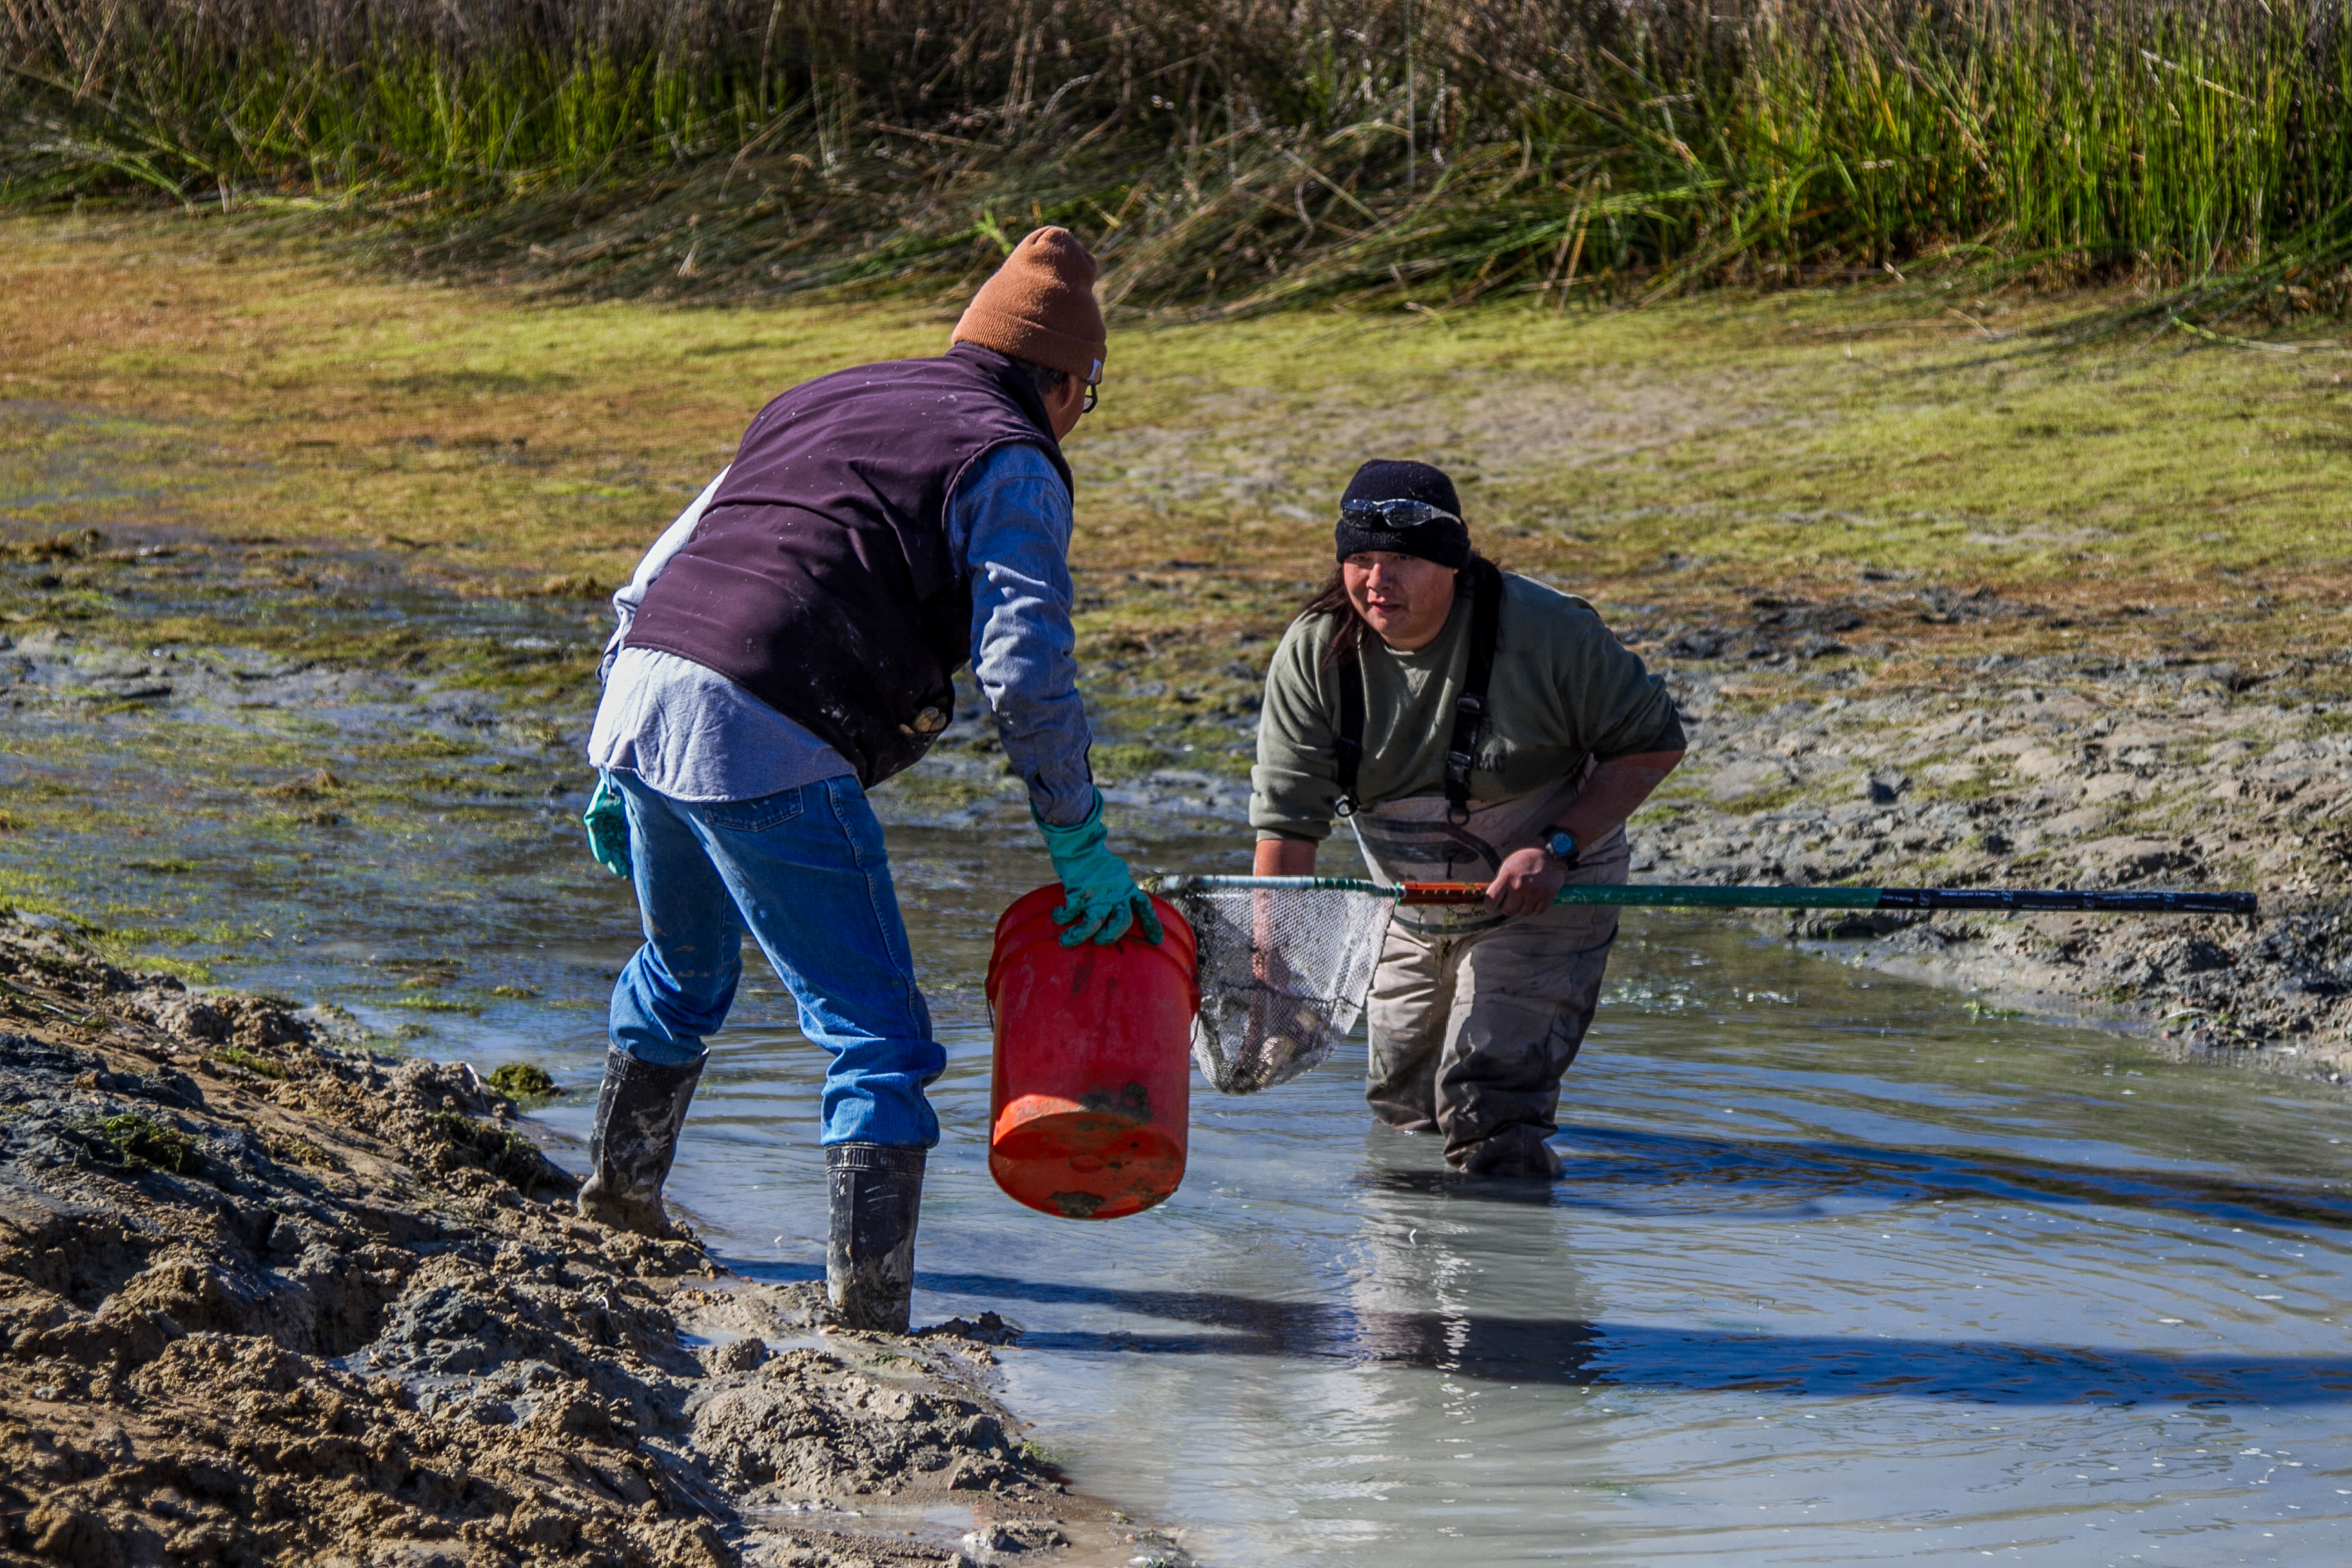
1514 1155
869 1252
639 1111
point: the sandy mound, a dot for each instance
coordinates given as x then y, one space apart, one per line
265 1298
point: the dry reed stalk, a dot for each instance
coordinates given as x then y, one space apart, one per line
1246 152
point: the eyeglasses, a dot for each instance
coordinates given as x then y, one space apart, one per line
1395 513
1094 396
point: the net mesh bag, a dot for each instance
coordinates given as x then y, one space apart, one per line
1282 975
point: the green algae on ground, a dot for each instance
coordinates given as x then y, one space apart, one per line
252 1062
428 1005
1121 760
525 1081
143 1143
289 1148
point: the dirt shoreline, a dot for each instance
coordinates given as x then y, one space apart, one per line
2052 771
269 1296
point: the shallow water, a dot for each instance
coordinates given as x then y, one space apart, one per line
1838 1273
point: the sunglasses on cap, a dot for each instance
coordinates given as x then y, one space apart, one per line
1395 513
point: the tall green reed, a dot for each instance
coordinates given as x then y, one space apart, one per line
1236 153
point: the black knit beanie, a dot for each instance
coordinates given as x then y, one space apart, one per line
1442 540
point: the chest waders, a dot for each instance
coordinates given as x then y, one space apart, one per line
1473 1017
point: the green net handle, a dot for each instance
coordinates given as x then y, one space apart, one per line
1721 898
2002 901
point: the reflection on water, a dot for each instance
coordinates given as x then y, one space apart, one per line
1837 1274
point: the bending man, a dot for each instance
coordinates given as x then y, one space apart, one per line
1479 727
786 646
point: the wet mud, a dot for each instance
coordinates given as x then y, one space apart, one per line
2057 772
268 1295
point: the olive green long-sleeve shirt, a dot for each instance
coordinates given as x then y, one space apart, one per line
1564 688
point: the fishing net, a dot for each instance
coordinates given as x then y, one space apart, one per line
1283 977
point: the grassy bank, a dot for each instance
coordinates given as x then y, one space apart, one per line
1232 151
1678 464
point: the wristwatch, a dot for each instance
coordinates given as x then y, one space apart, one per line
1563 844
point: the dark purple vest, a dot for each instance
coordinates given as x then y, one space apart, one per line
819 577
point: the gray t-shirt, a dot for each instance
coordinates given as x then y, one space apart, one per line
1564 688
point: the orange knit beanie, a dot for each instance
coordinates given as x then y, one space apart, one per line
1040 307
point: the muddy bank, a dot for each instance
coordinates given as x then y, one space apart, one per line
267 1295
2052 771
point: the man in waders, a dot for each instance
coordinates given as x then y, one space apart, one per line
1475 726
787 644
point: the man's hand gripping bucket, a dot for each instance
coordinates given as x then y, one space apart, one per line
1092 1096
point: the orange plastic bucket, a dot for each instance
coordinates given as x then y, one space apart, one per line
1092 1092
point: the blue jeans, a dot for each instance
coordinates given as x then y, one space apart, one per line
804 870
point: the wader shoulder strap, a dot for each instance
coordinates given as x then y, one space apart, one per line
1470 707
1348 748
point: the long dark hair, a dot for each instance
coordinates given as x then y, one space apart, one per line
1331 599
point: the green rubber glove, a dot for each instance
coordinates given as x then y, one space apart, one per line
1103 899
607 821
